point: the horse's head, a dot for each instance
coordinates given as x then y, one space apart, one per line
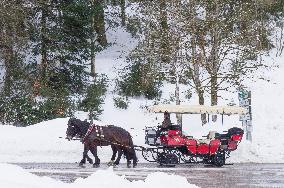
72 129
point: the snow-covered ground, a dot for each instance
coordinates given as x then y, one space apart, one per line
16 177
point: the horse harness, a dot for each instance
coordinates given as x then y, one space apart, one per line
98 133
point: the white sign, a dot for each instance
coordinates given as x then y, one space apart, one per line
244 103
245 117
249 128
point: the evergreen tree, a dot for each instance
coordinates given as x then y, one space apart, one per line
138 80
94 97
45 46
62 40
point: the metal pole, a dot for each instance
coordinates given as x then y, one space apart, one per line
245 101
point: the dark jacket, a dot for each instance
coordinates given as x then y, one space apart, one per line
166 123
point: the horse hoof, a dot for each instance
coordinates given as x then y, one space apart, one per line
134 165
96 165
81 165
90 161
111 163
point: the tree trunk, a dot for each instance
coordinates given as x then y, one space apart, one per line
199 90
164 32
113 2
178 116
43 65
93 63
99 25
7 46
93 58
215 63
201 102
197 82
123 16
196 63
8 62
214 92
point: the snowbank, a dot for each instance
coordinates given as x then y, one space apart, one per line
16 177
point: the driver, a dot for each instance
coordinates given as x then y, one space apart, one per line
167 121
166 124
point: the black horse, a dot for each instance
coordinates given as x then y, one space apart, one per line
84 126
119 139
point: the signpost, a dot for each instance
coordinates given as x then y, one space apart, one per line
245 101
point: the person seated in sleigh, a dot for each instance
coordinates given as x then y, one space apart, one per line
166 124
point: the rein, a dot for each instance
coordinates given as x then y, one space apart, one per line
118 144
135 147
70 139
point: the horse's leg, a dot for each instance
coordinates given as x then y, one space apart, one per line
97 160
119 156
134 157
114 151
132 152
128 157
89 159
85 155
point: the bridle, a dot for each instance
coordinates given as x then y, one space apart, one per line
75 130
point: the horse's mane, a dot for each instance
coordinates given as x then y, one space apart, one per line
82 125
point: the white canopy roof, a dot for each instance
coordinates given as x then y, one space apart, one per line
197 109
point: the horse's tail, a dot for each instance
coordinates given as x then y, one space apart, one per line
130 141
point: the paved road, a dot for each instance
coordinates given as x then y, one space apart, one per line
237 175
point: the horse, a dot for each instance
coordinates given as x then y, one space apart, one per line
93 136
84 126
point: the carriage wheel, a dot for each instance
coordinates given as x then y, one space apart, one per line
161 158
172 159
148 155
167 159
219 159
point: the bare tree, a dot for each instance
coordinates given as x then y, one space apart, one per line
218 42
226 39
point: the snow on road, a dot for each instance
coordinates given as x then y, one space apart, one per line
237 175
16 177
